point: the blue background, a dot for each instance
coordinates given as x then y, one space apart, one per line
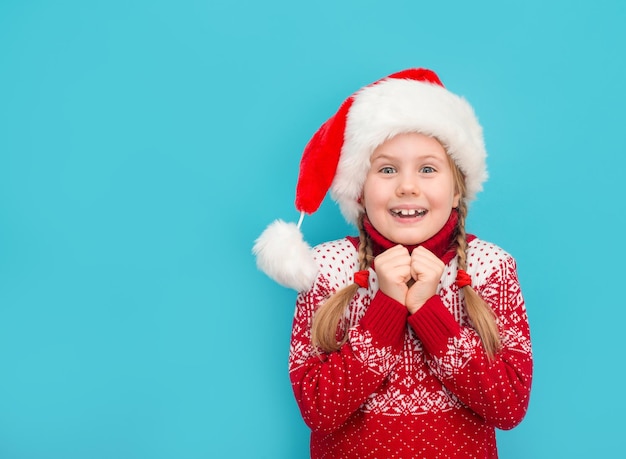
144 145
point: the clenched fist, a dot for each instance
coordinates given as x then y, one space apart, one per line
397 269
426 270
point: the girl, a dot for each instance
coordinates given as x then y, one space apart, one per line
410 340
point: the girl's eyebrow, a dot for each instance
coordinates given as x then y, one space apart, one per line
426 157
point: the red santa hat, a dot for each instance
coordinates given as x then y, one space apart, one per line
337 159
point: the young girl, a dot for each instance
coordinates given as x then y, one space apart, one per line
411 340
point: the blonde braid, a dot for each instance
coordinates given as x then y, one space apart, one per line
479 312
330 315
365 247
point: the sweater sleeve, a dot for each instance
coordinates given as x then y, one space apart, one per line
496 390
329 387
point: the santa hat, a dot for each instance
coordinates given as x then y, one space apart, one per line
337 158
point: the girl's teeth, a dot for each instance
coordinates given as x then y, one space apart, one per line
410 212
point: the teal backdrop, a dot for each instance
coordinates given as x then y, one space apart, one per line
144 145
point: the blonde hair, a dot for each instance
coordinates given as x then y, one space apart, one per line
480 313
329 329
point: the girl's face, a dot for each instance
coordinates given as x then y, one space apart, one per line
409 191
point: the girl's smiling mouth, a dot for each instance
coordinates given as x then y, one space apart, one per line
403 213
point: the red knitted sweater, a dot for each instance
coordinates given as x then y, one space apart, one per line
412 386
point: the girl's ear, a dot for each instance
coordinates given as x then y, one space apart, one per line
457 199
361 202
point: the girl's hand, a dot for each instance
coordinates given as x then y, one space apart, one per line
393 269
426 270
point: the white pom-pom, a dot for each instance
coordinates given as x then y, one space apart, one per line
284 256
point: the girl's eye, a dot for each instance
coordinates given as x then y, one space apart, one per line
427 170
387 170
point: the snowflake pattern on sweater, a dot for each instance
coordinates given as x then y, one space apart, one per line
412 386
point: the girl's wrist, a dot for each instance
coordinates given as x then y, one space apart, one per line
414 307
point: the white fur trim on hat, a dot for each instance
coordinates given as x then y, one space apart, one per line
395 106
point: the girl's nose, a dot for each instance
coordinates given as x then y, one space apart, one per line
407 186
